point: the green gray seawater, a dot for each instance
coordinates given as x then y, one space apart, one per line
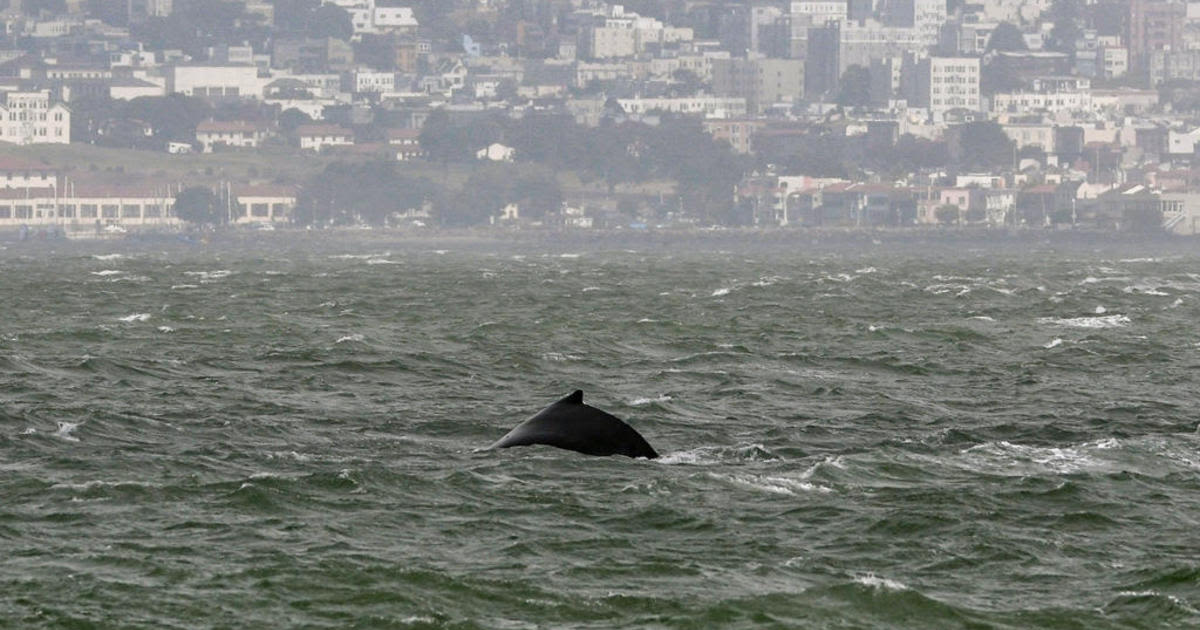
998 437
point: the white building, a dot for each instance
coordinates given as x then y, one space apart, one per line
953 84
707 106
263 203
820 11
1048 102
319 137
496 152
369 81
30 118
215 81
235 133
367 18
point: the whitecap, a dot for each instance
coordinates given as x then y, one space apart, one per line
381 261
441 252
209 275
721 292
641 402
1144 290
136 317
871 580
354 337
983 318
560 357
107 272
165 329
1100 310
1054 343
590 289
65 429
175 287
108 256
1177 303
647 320
570 255
772 484
1107 321
718 454
866 270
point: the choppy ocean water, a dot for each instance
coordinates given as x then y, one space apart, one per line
271 437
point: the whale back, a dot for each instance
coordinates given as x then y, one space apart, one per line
574 426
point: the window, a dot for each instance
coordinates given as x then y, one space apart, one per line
67 211
131 211
109 211
5 212
24 212
259 209
152 211
87 211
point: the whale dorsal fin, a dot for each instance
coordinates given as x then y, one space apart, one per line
575 398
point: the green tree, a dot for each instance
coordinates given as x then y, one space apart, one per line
1006 36
330 20
984 145
199 205
854 89
1065 15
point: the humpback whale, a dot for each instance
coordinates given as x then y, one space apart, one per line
572 425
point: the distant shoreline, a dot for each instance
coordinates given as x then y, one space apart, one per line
670 239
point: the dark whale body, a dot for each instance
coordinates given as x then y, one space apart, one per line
572 425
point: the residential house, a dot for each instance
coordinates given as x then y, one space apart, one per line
320 137
212 134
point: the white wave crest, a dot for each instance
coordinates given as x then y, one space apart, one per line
871 580
209 275
107 272
165 329
381 261
65 429
719 454
108 256
1054 343
354 337
136 317
773 484
176 287
720 292
641 402
1107 321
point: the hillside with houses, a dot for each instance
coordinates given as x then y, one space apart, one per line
137 115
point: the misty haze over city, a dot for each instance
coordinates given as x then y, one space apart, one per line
664 314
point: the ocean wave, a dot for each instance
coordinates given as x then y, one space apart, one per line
642 402
720 454
1107 321
206 276
108 272
871 580
772 484
136 317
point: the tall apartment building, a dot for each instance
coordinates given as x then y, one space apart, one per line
822 60
30 118
948 83
1154 26
763 82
